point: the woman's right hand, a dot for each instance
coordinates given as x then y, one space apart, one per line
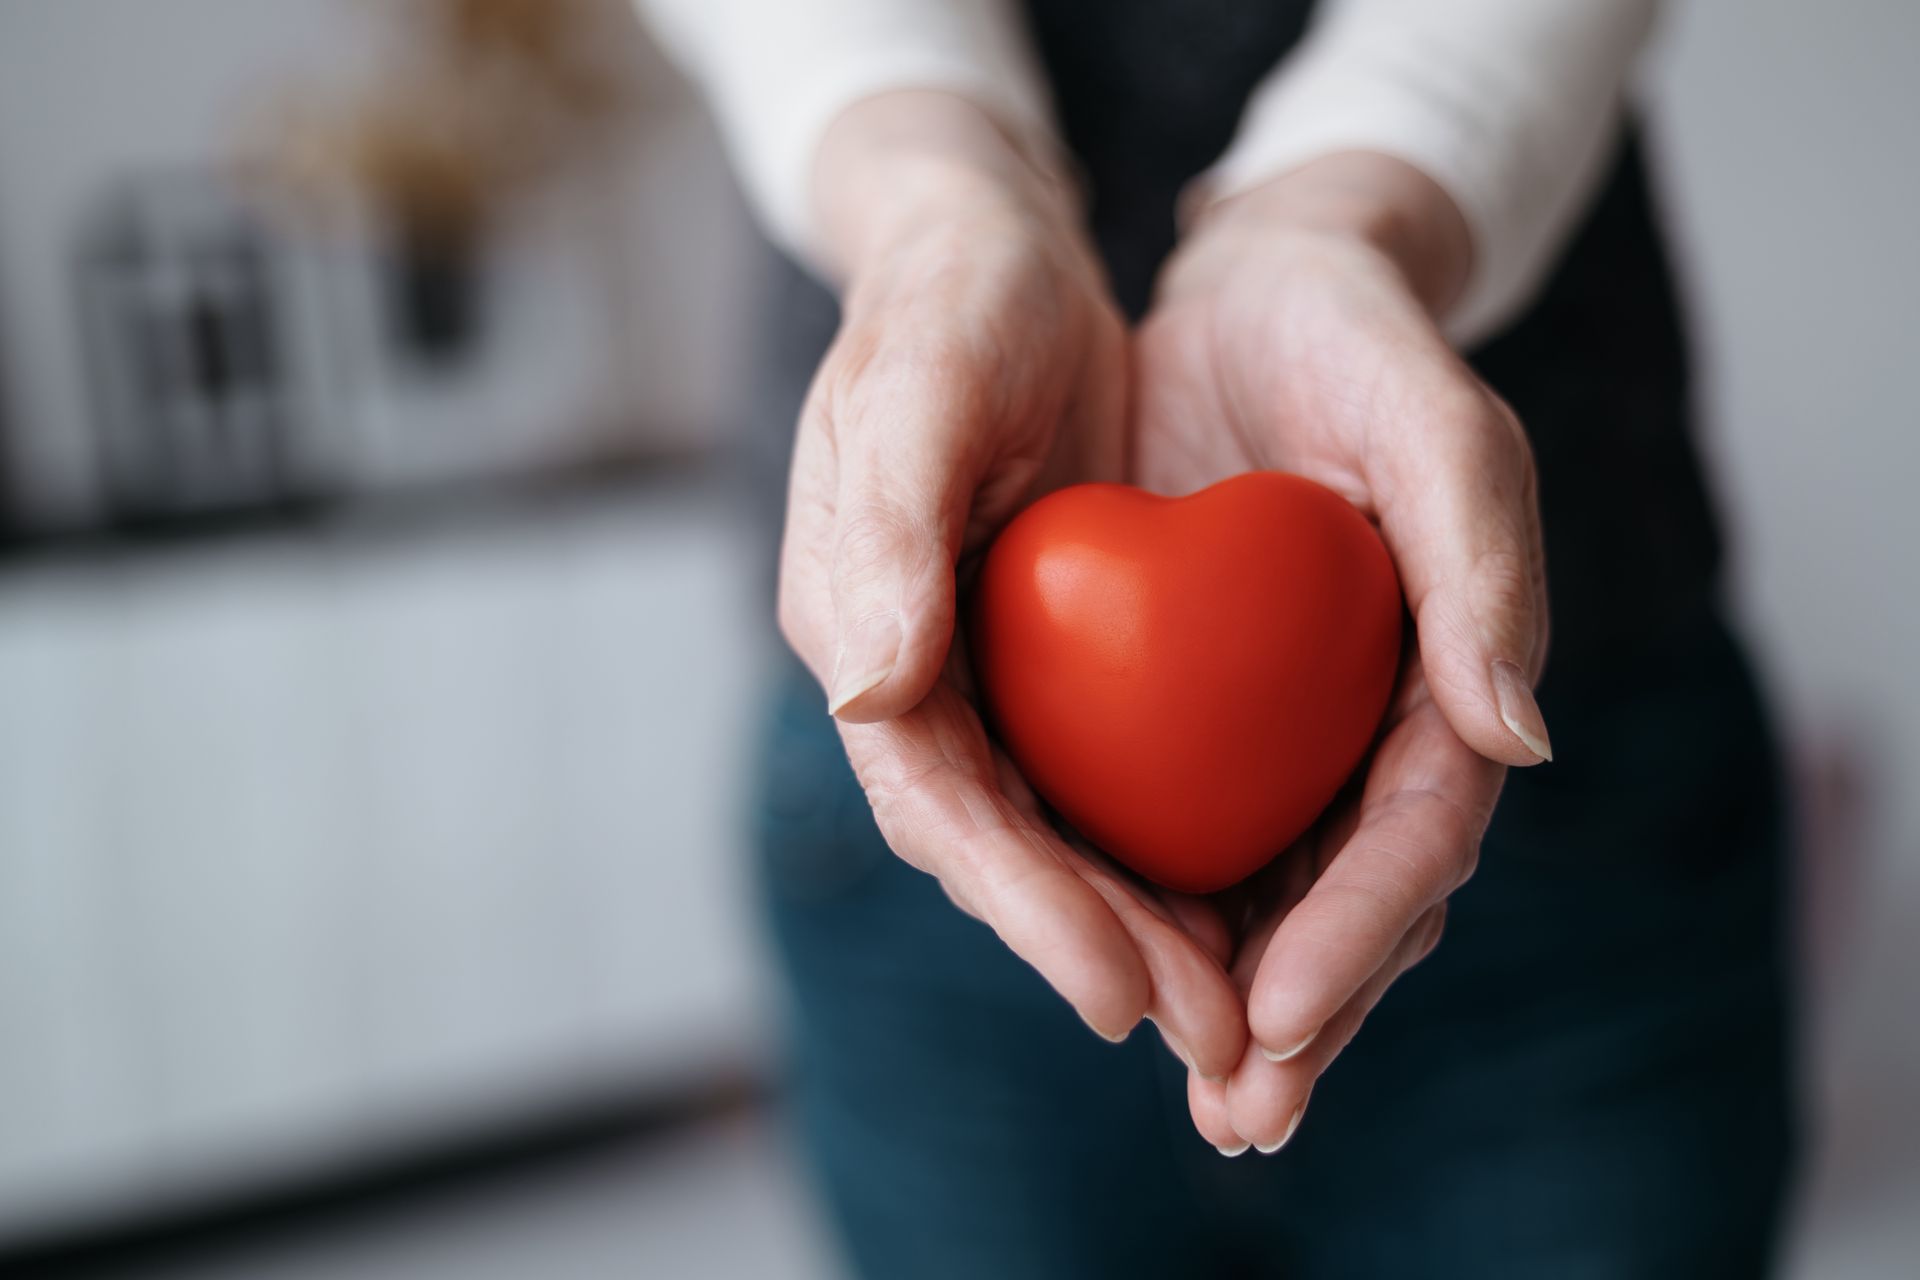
979 362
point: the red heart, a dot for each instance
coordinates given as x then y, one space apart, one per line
1189 681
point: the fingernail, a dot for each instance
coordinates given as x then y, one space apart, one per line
1518 711
1119 1039
1231 1152
1285 1054
1286 1137
866 658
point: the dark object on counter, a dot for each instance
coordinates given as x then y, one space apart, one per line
189 357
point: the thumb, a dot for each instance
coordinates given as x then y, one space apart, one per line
1465 534
892 583
893 458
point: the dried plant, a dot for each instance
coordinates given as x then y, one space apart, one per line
478 99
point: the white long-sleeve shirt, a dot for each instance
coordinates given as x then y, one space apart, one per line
1509 105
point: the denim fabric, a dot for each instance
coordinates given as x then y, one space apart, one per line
1589 1077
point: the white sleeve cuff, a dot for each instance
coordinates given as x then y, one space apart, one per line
778 72
1511 106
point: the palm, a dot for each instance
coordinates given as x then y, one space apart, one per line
935 769
1325 373
1303 373
972 373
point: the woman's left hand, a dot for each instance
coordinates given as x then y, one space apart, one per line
1295 331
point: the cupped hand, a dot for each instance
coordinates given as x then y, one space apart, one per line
979 363
1294 331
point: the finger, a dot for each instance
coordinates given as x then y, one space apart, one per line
910 424
929 776
805 603
1460 513
1426 803
1267 1100
893 598
1186 943
1207 1101
1193 1003
876 502
1184 940
1201 920
1278 888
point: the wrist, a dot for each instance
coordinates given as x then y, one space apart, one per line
1352 200
898 165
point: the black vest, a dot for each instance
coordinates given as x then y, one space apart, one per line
1148 94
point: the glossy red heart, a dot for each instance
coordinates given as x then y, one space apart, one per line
1188 681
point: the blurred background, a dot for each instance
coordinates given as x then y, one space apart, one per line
380 639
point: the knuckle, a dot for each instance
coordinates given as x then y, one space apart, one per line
1469 864
1460 404
1427 841
878 378
960 897
893 786
1503 583
1485 440
1450 826
1381 902
877 538
1356 922
923 789
1421 941
1496 420
889 774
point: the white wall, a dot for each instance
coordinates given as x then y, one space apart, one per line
1788 133
625 293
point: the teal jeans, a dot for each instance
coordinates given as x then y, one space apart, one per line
1588 1079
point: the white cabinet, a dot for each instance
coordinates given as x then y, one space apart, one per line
323 844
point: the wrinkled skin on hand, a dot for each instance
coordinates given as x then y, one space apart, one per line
981 362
